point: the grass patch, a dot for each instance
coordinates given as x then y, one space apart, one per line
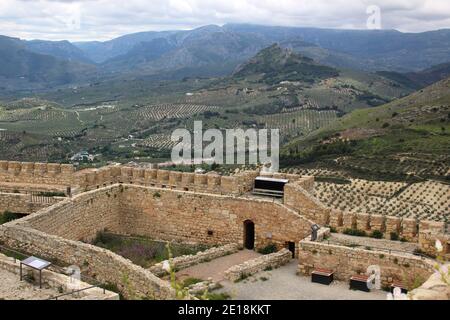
7 216
242 277
143 251
270 248
355 232
191 281
217 296
376 234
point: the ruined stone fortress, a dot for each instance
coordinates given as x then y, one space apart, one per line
66 208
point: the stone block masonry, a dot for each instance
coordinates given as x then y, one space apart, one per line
24 203
133 281
57 233
207 218
187 207
81 217
37 173
251 267
346 262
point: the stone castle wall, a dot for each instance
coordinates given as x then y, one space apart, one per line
169 215
81 217
37 173
207 218
346 262
33 177
57 232
298 198
186 181
24 203
105 266
424 232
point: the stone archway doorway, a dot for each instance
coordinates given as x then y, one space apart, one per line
249 235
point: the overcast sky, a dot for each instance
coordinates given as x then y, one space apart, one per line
105 19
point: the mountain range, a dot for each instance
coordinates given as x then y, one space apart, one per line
217 51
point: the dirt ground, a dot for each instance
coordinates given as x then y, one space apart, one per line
215 269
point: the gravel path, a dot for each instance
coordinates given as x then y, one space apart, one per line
284 284
215 269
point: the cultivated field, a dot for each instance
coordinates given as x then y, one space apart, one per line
428 200
169 111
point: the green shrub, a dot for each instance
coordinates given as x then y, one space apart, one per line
242 277
376 234
51 194
270 248
8 216
332 229
394 236
355 232
190 281
217 296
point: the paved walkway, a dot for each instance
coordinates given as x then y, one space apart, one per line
284 284
215 269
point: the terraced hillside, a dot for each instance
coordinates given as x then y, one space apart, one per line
407 137
428 200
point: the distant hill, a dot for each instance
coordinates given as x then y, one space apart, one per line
420 79
21 66
276 64
206 49
99 51
370 50
63 50
213 51
418 123
389 50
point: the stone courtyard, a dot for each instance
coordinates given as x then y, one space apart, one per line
284 284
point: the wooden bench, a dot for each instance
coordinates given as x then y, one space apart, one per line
322 276
398 284
359 282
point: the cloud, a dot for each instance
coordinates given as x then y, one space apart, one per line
106 19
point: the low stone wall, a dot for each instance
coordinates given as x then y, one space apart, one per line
248 268
346 262
60 282
103 265
183 262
